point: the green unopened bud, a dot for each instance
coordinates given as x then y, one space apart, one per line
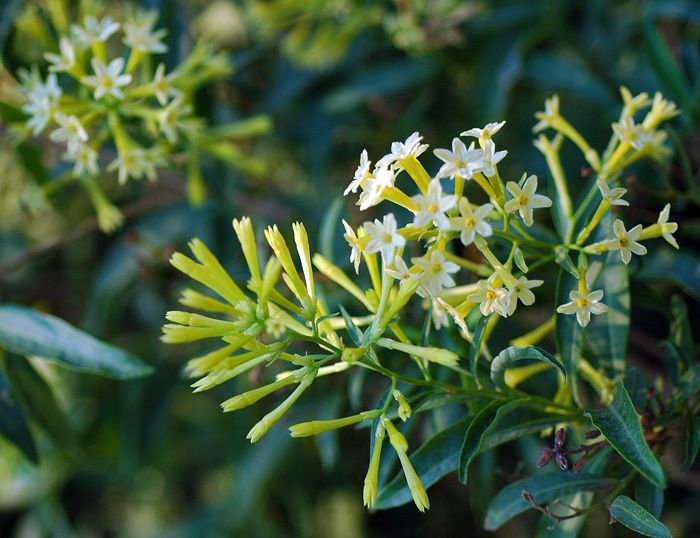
432 354
404 407
314 427
371 485
353 354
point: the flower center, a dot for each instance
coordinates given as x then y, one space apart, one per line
433 208
522 200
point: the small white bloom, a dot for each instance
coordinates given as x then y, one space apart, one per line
636 135
107 78
490 299
626 241
551 111
70 131
521 291
432 206
139 33
401 150
435 272
439 315
471 222
667 228
136 163
169 118
461 161
613 196
85 159
455 315
42 98
525 199
491 157
354 242
40 110
65 61
383 237
400 270
373 187
94 30
583 305
487 132
162 85
361 174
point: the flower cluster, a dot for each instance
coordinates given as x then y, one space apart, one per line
114 107
463 240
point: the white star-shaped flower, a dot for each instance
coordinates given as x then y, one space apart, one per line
107 78
355 245
667 228
636 135
471 222
383 237
520 290
626 241
490 299
374 185
139 33
94 30
401 150
432 206
461 161
583 305
84 158
487 132
613 196
491 157
70 131
162 85
169 118
435 272
525 200
136 163
65 61
361 174
551 111
399 270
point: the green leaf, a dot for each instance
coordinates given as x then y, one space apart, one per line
681 334
37 397
506 358
692 443
649 496
28 332
568 332
545 488
634 517
355 333
13 423
690 381
475 348
484 422
620 425
636 386
665 264
608 334
7 17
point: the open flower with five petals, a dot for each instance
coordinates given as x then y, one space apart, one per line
583 305
626 241
108 79
383 237
525 200
435 271
432 206
471 222
461 161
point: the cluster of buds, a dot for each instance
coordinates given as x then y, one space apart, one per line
105 91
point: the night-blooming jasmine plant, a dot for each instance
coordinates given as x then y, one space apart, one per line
470 251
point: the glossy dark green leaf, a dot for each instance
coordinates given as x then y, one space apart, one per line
634 517
636 386
621 426
650 497
13 423
29 332
545 488
37 398
569 335
607 334
681 334
355 333
511 355
680 267
692 443
475 347
7 17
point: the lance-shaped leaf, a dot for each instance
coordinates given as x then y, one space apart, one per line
568 332
649 496
28 332
13 423
506 358
692 443
544 488
631 515
621 426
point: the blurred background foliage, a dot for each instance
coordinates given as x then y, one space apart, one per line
147 458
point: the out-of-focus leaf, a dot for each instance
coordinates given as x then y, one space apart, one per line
679 267
13 423
7 17
545 488
681 334
690 381
649 496
568 332
252 126
608 334
631 515
621 426
636 385
28 332
506 358
329 228
692 443
37 397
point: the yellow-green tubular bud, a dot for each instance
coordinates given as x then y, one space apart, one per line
337 275
250 397
301 239
273 268
406 291
194 299
269 420
235 365
369 492
353 354
246 237
291 276
396 438
404 407
314 427
195 320
199 366
432 354
417 172
177 334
